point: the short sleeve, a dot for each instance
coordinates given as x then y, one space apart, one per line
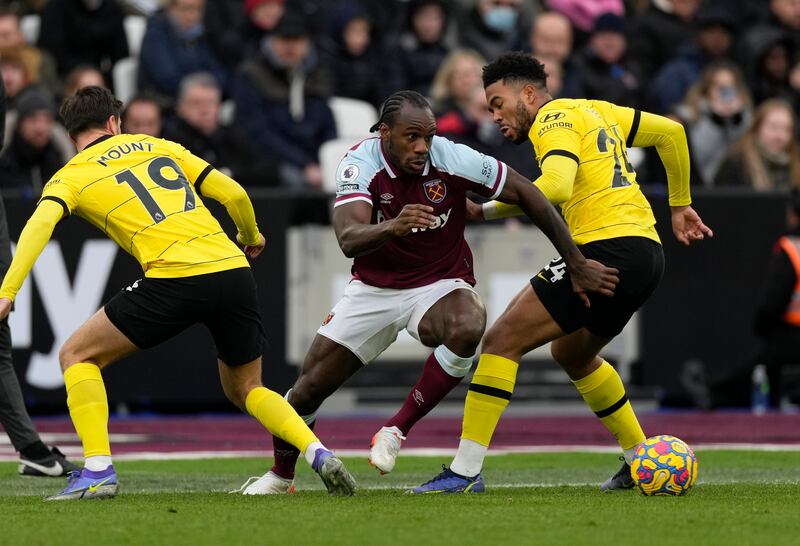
63 192
354 176
486 175
557 132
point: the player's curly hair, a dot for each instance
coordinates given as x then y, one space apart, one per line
515 67
89 108
392 105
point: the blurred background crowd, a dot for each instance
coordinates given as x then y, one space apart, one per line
259 87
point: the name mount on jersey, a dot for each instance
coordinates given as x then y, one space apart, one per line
123 149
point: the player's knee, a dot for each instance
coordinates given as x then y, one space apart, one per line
453 364
463 333
67 356
496 340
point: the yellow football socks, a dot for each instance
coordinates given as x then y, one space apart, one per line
279 417
88 407
488 396
604 393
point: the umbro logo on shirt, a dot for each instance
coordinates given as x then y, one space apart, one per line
386 198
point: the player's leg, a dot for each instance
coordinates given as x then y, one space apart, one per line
601 387
454 324
242 385
326 367
94 345
524 325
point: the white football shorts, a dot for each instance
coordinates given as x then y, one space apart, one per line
367 319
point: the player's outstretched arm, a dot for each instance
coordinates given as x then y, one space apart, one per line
234 198
357 235
587 275
32 240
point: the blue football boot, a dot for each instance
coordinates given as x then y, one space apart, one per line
450 482
334 475
87 484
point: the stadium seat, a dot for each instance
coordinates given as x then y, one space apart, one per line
135 26
124 75
353 117
330 154
29 24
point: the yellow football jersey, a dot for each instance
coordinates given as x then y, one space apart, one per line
141 191
606 200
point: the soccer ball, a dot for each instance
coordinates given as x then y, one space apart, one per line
664 466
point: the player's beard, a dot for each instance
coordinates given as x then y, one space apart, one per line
523 121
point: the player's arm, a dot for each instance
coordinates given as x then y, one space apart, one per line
555 183
32 240
209 182
587 275
643 129
357 235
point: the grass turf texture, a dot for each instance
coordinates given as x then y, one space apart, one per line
741 498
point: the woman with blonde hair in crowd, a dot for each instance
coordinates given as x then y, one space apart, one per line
458 76
716 112
767 156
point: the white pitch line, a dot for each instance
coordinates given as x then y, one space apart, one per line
8 454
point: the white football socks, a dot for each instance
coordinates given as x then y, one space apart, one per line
97 463
311 450
469 458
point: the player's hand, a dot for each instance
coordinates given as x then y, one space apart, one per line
411 217
474 211
252 251
592 276
688 227
5 308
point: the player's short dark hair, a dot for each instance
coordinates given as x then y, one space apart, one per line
516 67
89 108
392 105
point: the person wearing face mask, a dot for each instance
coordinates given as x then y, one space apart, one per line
493 27
767 156
77 32
174 46
716 112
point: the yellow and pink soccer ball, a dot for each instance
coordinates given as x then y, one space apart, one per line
664 466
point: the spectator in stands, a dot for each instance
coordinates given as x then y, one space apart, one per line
767 156
19 69
224 22
555 76
262 17
142 116
11 37
83 76
602 70
716 112
281 102
783 15
420 49
583 14
355 61
33 155
456 79
77 32
174 46
768 63
197 127
714 41
658 33
492 27
551 37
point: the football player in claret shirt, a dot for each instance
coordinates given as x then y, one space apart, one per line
581 148
399 213
144 193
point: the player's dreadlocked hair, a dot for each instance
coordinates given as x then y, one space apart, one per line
517 67
391 106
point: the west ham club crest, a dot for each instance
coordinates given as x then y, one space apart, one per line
435 190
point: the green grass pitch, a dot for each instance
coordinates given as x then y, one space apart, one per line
742 497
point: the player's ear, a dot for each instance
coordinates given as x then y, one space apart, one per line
384 131
528 93
113 125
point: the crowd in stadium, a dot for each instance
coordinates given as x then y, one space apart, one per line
246 84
